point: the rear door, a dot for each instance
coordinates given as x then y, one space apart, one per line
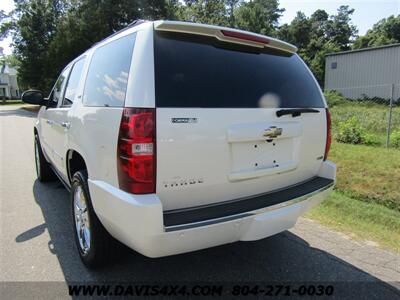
61 118
48 124
226 127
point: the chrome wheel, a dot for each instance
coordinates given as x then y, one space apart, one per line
82 223
37 158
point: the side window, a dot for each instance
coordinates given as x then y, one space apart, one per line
56 92
73 82
107 77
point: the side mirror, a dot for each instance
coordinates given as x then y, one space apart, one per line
33 97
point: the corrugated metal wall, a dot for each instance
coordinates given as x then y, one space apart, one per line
364 73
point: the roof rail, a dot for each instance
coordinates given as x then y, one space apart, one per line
130 25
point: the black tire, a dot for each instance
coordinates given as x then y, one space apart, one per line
101 244
43 171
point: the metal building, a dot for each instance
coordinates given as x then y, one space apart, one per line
366 73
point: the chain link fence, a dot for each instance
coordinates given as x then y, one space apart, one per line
375 109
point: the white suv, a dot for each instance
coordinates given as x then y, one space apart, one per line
174 137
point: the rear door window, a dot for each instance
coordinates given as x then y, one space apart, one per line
197 71
107 77
56 92
73 82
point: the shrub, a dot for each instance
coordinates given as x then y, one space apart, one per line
350 131
395 138
370 139
334 98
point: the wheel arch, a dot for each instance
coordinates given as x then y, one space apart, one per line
75 162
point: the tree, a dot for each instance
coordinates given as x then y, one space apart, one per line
385 32
298 32
7 24
47 34
205 11
231 7
318 35
32 25
340 31
259 16
10 60
156 9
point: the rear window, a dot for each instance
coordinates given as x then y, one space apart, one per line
196 71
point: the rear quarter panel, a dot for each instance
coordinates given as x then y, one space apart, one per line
94 135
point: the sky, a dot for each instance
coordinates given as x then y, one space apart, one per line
367 12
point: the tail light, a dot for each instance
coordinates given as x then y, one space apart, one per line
328 134
136 151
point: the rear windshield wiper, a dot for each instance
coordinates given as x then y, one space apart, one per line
295 112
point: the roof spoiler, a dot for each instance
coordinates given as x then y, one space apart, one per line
226 34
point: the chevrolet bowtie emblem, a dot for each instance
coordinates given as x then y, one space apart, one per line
272 132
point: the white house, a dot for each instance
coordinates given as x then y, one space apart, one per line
8 82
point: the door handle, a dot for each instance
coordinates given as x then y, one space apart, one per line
50 122
66 125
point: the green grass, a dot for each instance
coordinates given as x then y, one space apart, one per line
31 108
368 173
366 200
11 102
360 220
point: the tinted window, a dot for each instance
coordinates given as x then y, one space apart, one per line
194 71
73 82
108 73
56 92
